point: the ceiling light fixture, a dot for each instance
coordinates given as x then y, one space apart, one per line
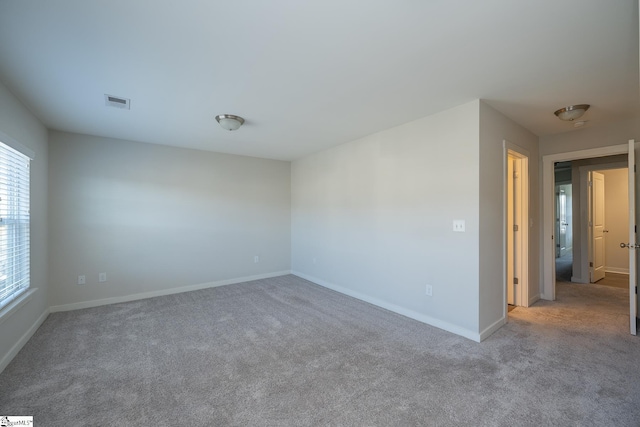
229 121
572 112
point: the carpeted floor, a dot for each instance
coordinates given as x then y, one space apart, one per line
564 267
564 271
285 352
617 280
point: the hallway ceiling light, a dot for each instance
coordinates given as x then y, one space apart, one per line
229 121
572 112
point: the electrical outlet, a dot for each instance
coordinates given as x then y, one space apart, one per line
458 225
102 277
256 259
429 290
82 280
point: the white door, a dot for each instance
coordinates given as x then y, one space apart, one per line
633 271
596 224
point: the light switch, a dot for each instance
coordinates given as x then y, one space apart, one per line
458 225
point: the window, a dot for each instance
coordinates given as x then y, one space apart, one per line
14 224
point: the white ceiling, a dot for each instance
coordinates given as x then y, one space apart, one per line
307 75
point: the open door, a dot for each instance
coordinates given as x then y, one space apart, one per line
596 226
633 271
516 211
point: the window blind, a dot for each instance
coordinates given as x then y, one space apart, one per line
14 224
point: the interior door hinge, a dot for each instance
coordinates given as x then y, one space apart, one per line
515 280
515 227
590 264
590 184
636 290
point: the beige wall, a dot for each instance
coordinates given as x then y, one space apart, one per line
18 123
616 217
155 218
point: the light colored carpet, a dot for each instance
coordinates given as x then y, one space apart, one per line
564 267
616 280
285 352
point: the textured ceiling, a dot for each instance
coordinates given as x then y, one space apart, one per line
313 74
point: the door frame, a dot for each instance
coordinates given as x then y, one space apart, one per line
548 290
522 248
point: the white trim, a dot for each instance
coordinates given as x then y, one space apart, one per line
616 270
22 341
633 258
548 200
534 299
171 291
492 328
17 146
15 305
575 279
474 336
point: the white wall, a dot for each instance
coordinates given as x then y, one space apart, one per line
616 216
155 218
373 218
494 129
17 122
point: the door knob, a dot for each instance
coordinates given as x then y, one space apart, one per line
630 246
605 231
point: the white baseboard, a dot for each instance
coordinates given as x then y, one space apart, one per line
492 328
22 341
533 300
575 279
171 291
616 270
474 336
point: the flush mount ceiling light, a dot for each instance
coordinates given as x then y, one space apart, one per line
572 112
229 121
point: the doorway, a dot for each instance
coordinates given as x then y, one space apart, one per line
516 214
549 224
564 208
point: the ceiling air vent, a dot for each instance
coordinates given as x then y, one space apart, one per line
117 102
